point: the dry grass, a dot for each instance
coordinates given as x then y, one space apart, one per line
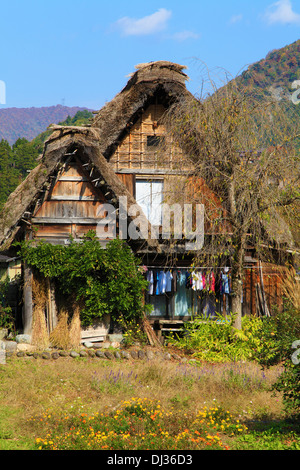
40 337
291 288
96 384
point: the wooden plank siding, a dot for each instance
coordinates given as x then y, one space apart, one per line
72 206
273 277
128 179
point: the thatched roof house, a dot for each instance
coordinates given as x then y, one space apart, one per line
158 80
23 203
83 168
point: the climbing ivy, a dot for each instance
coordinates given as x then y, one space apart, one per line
104 281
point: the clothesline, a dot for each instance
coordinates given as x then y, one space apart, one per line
186 267
202 267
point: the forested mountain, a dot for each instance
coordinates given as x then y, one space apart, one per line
278 72
27 123
81 118
17 160
278 75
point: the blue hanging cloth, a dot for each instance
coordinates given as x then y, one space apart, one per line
160 282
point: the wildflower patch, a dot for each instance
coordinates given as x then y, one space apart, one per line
139 424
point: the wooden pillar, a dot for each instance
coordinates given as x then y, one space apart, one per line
253 290
28 302
51 307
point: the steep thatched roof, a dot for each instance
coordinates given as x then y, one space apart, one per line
162 79
61 142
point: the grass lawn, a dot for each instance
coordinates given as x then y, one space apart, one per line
94 403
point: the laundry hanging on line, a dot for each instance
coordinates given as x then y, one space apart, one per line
165 281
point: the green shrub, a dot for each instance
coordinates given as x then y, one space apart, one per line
133 332
288 331
6 316
105 281
264 341
289 384
218 340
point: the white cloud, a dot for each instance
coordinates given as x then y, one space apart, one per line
143 26
236 19
282 12
184 35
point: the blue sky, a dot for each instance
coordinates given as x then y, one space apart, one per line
79 53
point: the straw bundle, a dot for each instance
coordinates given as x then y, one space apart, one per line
40 337
67 334
75 329
60 336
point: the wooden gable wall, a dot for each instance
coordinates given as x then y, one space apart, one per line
71 206
135 152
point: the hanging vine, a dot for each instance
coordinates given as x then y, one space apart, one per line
105 281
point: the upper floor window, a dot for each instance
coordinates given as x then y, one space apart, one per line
153 141
149 196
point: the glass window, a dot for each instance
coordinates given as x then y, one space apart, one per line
154 140
149 195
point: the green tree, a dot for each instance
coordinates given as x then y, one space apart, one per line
81 118
9 176
24 155
16 162
243 145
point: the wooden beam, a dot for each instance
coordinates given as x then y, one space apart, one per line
149 171
67 220
171 329
58 127
73 178
74 198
